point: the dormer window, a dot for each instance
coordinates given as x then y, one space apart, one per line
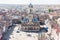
25 20
35 19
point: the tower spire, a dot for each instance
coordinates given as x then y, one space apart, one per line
31 8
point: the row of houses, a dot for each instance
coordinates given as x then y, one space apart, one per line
6 19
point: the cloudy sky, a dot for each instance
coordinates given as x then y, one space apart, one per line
29 1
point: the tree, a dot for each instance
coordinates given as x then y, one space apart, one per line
50 10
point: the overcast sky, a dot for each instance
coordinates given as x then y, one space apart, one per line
29 1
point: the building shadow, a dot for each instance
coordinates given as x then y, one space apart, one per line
8 33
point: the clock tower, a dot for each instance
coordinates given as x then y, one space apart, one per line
30 8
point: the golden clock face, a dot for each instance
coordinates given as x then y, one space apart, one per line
30 16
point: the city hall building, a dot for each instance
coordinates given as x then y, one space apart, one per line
31 21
